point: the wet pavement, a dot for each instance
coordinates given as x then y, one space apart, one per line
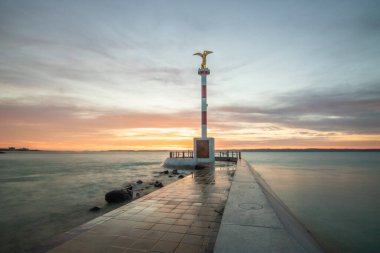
184 217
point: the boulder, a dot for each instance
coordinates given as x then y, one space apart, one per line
158 184
128 187
139 182
118 196
181 176
165 172
175 172
94 209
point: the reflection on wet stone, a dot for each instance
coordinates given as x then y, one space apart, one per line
184 216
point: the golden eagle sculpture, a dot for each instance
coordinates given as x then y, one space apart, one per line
203 55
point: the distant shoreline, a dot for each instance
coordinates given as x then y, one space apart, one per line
311 150
17 149
4 150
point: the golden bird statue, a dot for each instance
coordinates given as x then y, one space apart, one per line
203 55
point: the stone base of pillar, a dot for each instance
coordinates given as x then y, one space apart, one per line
204 150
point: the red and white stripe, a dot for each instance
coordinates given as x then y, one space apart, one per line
203 73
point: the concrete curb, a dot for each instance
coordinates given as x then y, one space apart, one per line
254 220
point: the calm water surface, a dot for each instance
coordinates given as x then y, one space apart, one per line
46 193
336 195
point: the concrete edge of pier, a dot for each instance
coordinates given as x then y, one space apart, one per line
255 220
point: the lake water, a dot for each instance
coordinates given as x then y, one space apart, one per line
336 195
42 194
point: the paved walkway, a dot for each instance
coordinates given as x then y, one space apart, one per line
256 222
181 217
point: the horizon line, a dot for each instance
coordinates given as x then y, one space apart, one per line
216 150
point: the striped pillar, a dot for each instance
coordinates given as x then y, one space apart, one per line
203 72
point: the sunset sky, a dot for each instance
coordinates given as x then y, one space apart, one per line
101 75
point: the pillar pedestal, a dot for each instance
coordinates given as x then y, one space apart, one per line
204 150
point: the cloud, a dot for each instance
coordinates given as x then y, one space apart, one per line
343 109
73 127
306 118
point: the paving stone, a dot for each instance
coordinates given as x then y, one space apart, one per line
199 231
143 244
152 219
173 215
145 225
113 249
203 224
187 248
153 234
173 237
161 227
123 241
193 239
165 247
134 232
179 229
169 221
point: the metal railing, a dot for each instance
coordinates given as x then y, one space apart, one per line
182 154
222 154
228 154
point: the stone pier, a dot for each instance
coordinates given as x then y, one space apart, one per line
222 209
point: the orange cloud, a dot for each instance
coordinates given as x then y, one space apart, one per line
71 128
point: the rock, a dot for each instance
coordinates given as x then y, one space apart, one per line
139 182
181 176
118 196
175 172
170 175
158 184
128 187
94 209
166 172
